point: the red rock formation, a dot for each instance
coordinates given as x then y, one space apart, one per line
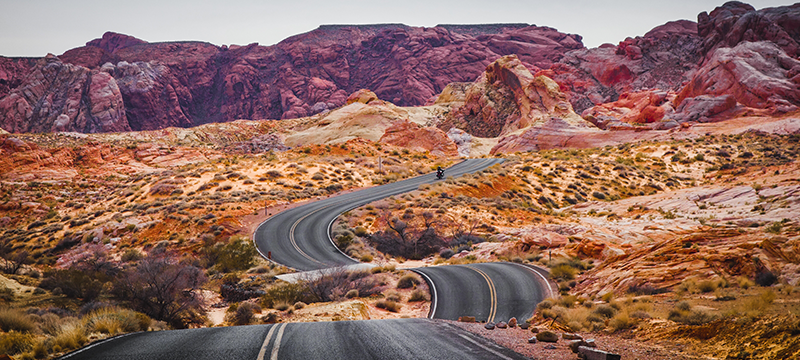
415 137
192 83
64 97
664 58
507 98
756 74
736 22
637 108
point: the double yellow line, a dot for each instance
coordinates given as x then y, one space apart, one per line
492 293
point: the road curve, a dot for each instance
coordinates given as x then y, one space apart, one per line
396 339
298 237
488 291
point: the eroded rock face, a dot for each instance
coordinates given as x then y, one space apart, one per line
412 136
736 22
193 83
64 97
664 59
757 74
508 98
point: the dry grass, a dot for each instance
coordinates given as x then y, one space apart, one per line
15 320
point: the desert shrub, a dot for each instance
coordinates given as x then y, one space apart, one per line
71 336
163 288
765 278
604 310
758 304
446 253
407 282
6 294
563 272
365 258
744 282
599 195
707 286
645 289
418 295
15 320
545 304
238 254
621 322
388 305
775 228
299 305
351 294
132 255
684 313
282 306
15 343
284 292
114 320
242 314
393 296
335 283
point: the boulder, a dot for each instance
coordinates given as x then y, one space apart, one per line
532 340
547 336
575 344
363 96
489 326
512 323
571 336
501 325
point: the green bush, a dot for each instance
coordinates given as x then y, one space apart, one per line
604 310
238 254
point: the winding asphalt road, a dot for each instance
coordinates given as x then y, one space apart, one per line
299 239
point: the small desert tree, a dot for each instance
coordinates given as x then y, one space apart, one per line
163 288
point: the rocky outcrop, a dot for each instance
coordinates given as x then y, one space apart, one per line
415 137
507 98
663 59
736 22
632 108
64 97
527 112
756 74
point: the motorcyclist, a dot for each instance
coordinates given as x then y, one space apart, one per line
439 172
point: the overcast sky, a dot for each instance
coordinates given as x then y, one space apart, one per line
38 27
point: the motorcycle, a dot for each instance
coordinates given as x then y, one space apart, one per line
440 174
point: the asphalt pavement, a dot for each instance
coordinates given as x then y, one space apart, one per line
398 339
298 237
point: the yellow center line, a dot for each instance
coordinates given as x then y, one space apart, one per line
277 344
263 350
492 294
